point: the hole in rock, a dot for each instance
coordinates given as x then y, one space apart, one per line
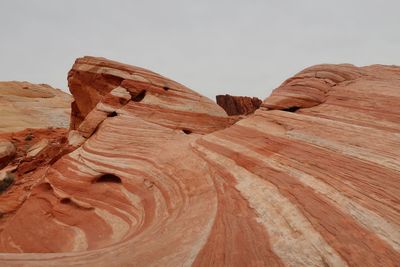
291 109
65 200
166 88
112 114
139 97
186 131
111 79
44 187
108 178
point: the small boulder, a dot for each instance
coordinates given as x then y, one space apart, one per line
7 152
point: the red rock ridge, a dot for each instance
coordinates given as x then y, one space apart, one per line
26 105
311 86
91 78
238 105
162 177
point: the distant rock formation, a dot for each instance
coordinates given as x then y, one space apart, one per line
154 174
25 105
238 105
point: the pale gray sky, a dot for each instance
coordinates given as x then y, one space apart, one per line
215 47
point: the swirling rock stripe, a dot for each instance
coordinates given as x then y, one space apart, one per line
313 186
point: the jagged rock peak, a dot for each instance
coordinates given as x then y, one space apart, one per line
238 105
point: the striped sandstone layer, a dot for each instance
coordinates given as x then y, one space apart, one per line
26 105
162 177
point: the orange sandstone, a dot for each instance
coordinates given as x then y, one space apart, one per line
154 174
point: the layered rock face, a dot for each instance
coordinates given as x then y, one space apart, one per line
25 105
238 105
161 176
159 100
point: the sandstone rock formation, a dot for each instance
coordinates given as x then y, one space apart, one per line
7 152
25 105
34 152
238 105
160 176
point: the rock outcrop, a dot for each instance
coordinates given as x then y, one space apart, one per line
34 150
7 152
161 176
93 79
25 105
238 105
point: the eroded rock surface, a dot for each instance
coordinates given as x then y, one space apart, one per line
34 152
7 152
25 105
238 105
159 176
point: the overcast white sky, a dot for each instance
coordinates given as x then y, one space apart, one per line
214 47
